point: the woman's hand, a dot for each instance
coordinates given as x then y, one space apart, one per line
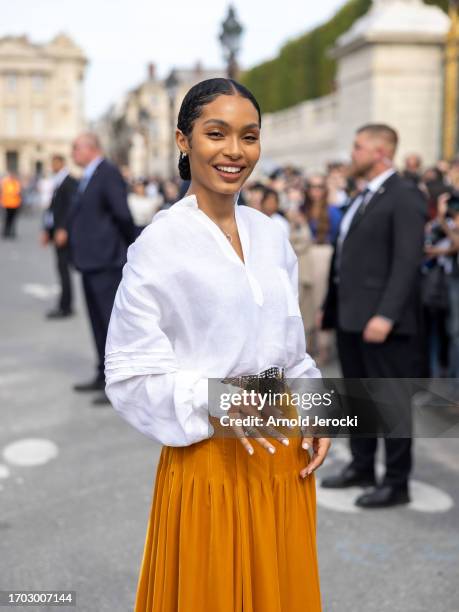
434 252
245 434
320 447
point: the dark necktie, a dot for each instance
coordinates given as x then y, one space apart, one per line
365 197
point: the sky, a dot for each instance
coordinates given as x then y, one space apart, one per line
120 37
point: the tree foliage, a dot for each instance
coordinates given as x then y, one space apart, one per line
303 70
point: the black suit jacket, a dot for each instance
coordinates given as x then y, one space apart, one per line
380 261
60 204
100 224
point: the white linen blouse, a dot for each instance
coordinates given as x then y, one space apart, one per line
188 309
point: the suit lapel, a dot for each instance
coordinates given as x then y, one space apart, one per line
93 175
360 214
79 196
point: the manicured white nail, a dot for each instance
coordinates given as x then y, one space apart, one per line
285 442
250 451
305 445
272 450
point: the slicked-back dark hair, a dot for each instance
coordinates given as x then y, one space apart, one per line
197 97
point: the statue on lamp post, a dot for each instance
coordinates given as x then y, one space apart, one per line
230 39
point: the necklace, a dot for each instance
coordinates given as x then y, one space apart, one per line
228 236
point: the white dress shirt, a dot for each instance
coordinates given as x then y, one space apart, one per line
88 172
282 221
60 177
189 309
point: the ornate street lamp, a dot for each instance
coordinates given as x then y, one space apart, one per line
230 39
172 84
450 122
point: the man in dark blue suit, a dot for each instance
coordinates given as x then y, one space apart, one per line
100 229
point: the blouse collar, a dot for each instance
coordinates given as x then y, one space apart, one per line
190 202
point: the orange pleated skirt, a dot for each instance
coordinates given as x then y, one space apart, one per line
230 532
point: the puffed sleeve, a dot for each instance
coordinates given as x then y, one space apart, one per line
144 382
301 365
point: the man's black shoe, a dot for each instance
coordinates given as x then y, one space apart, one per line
349 477
58 314
101 400
384 496
97 384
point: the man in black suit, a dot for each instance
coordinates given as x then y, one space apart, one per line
54 230
100 228
373 299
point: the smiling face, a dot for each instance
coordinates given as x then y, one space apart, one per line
224 144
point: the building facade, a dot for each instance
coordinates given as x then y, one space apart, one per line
41 101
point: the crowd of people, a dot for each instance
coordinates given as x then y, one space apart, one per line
309 207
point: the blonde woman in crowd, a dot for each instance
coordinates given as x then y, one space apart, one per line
302 242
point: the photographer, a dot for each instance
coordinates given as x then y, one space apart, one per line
441 288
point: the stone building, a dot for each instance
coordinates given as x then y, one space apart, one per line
41 101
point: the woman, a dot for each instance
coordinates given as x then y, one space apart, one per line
323 220
209 291
270 206
439 270
302 243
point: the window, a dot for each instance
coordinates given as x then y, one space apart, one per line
38 121
153 128
11 81
38 82
11 120
12 161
